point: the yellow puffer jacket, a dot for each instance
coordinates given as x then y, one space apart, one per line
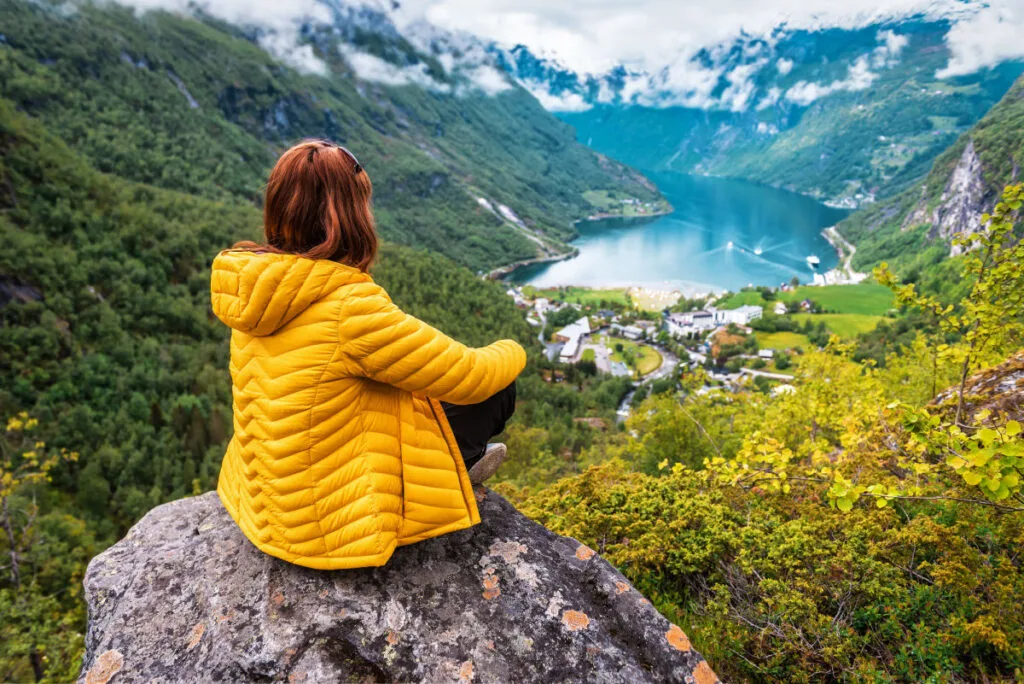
341 451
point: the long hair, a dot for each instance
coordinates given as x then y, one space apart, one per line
318 206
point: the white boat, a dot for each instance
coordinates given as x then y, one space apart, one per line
757 251
813 261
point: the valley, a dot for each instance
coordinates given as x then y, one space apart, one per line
725 395
721 235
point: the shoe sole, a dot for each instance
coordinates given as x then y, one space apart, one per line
485 468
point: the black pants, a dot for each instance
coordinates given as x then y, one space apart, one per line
474 424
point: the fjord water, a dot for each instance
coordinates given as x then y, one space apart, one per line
724 234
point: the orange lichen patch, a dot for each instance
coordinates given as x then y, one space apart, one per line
575 620
644 601
297 677
466 671
479 494
277 599
621 587
106 665
489 643
678 639
585 553
703 674
290 653
196 636
324 593
392 637
490 582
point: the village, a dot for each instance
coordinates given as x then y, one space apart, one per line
745 341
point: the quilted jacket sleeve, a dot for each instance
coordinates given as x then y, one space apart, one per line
389 346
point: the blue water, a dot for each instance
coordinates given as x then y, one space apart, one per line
690 250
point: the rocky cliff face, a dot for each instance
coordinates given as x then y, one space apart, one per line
185 597
961 205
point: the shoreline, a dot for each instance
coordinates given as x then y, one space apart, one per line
500 271
597 218
843 274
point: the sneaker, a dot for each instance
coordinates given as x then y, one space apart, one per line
485 468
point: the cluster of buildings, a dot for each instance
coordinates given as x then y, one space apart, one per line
678 324
571 337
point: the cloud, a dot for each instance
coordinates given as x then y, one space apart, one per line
372 68
594 36
280 21
992 35
888 52
770 99
488 79
741 86
859 77
784 66
564 102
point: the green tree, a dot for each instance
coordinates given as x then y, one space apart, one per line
988 320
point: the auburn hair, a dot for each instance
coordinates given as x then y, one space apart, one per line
318 205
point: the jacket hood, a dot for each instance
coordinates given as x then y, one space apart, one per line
259 292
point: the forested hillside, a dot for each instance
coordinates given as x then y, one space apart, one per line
914 230
196 106
116 196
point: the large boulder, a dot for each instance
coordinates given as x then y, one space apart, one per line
185 597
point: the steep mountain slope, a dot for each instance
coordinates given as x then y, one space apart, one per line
115 194
846 115
196 105
913 229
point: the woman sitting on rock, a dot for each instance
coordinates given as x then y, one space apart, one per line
357 428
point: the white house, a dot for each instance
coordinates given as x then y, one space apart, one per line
695 321
570 351
571 335
780 308
740 316
766 354
630 332
574 331
678 324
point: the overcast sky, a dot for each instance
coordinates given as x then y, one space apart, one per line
595 35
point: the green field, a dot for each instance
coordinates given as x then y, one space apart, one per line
870 299
844 325
606 202
782 340
580 295
646 359
588 355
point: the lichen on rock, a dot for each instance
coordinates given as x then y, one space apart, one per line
185 597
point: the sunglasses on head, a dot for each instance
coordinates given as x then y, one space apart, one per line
357 167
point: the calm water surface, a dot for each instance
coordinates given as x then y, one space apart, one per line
723 234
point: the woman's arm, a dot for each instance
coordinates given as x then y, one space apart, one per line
387 345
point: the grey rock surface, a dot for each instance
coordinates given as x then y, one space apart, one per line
185 597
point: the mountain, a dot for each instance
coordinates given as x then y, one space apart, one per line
844 114
913 229
132 149
464 163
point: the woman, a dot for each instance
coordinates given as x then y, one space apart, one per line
358 428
